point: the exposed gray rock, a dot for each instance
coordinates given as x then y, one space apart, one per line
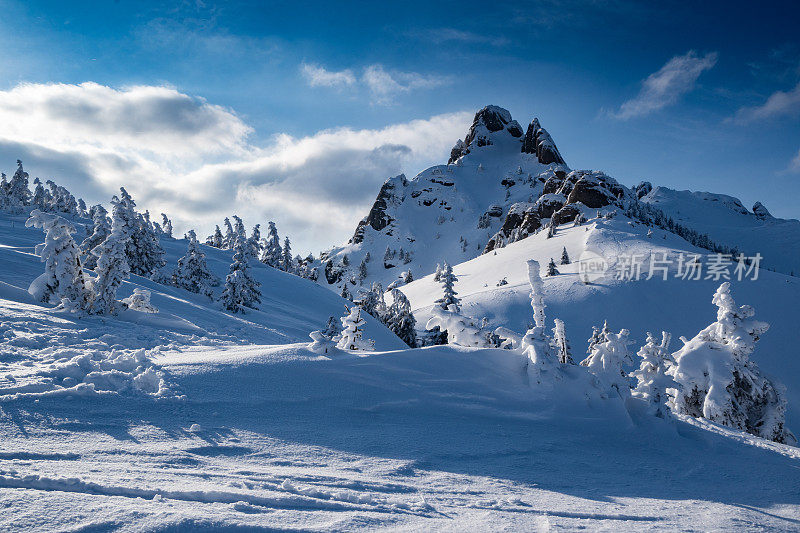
538 141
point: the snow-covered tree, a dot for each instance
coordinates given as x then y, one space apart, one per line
362 269
272 254
287 262
101 229
449 299
652 380
321 343
63 274
565 257
39 199
238 229
140 301
166 226
407 277
400 319
241 289
561 344
437 275
607 360
112 260
333 327
535 344
720 382
352 331
345 293
143 251
217 240
461 330
229 240
18 191
372 301
552 270
192 272
598 336
254 242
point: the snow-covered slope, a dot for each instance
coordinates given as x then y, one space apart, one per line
682 307
728 222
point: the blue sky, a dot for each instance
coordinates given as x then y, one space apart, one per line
211 108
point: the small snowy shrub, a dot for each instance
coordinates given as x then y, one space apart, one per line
140 301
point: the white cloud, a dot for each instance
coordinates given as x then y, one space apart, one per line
778 104
794 165
382 86
662 88
186 157
318 76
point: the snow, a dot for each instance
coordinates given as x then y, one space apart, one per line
192 418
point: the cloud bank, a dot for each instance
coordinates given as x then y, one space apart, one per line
191 159
664 87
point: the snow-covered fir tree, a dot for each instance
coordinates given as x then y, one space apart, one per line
565 257
18 193
254 242
400 319
112 260
39 200
101 229
449 299
561 344
652 380
192 272
63 273
437 275
535 344
345 293
598 336
552 270
372 301
166 226
140 301
217 240
238 229
352 331
272 254
321 343
143 251
241 289
607 362
362 269
720 382
229 238
287 261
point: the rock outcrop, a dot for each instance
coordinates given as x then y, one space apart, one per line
538 141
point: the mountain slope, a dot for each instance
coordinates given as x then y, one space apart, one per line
728 222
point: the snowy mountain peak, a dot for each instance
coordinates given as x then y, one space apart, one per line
493 125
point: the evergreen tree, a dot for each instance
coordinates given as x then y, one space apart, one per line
287 263
352 331
101 229
720 382
651 377
565 257
551 268
192 271
437 276
238 230
166 226
400 319
598 336
372 301
63 274
607 360
229 240
345 293
561 344
407 276
272 254
535 344
18 191
217 239
254 242
39 200
241 290
332 328
112 261
362 269
449 299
